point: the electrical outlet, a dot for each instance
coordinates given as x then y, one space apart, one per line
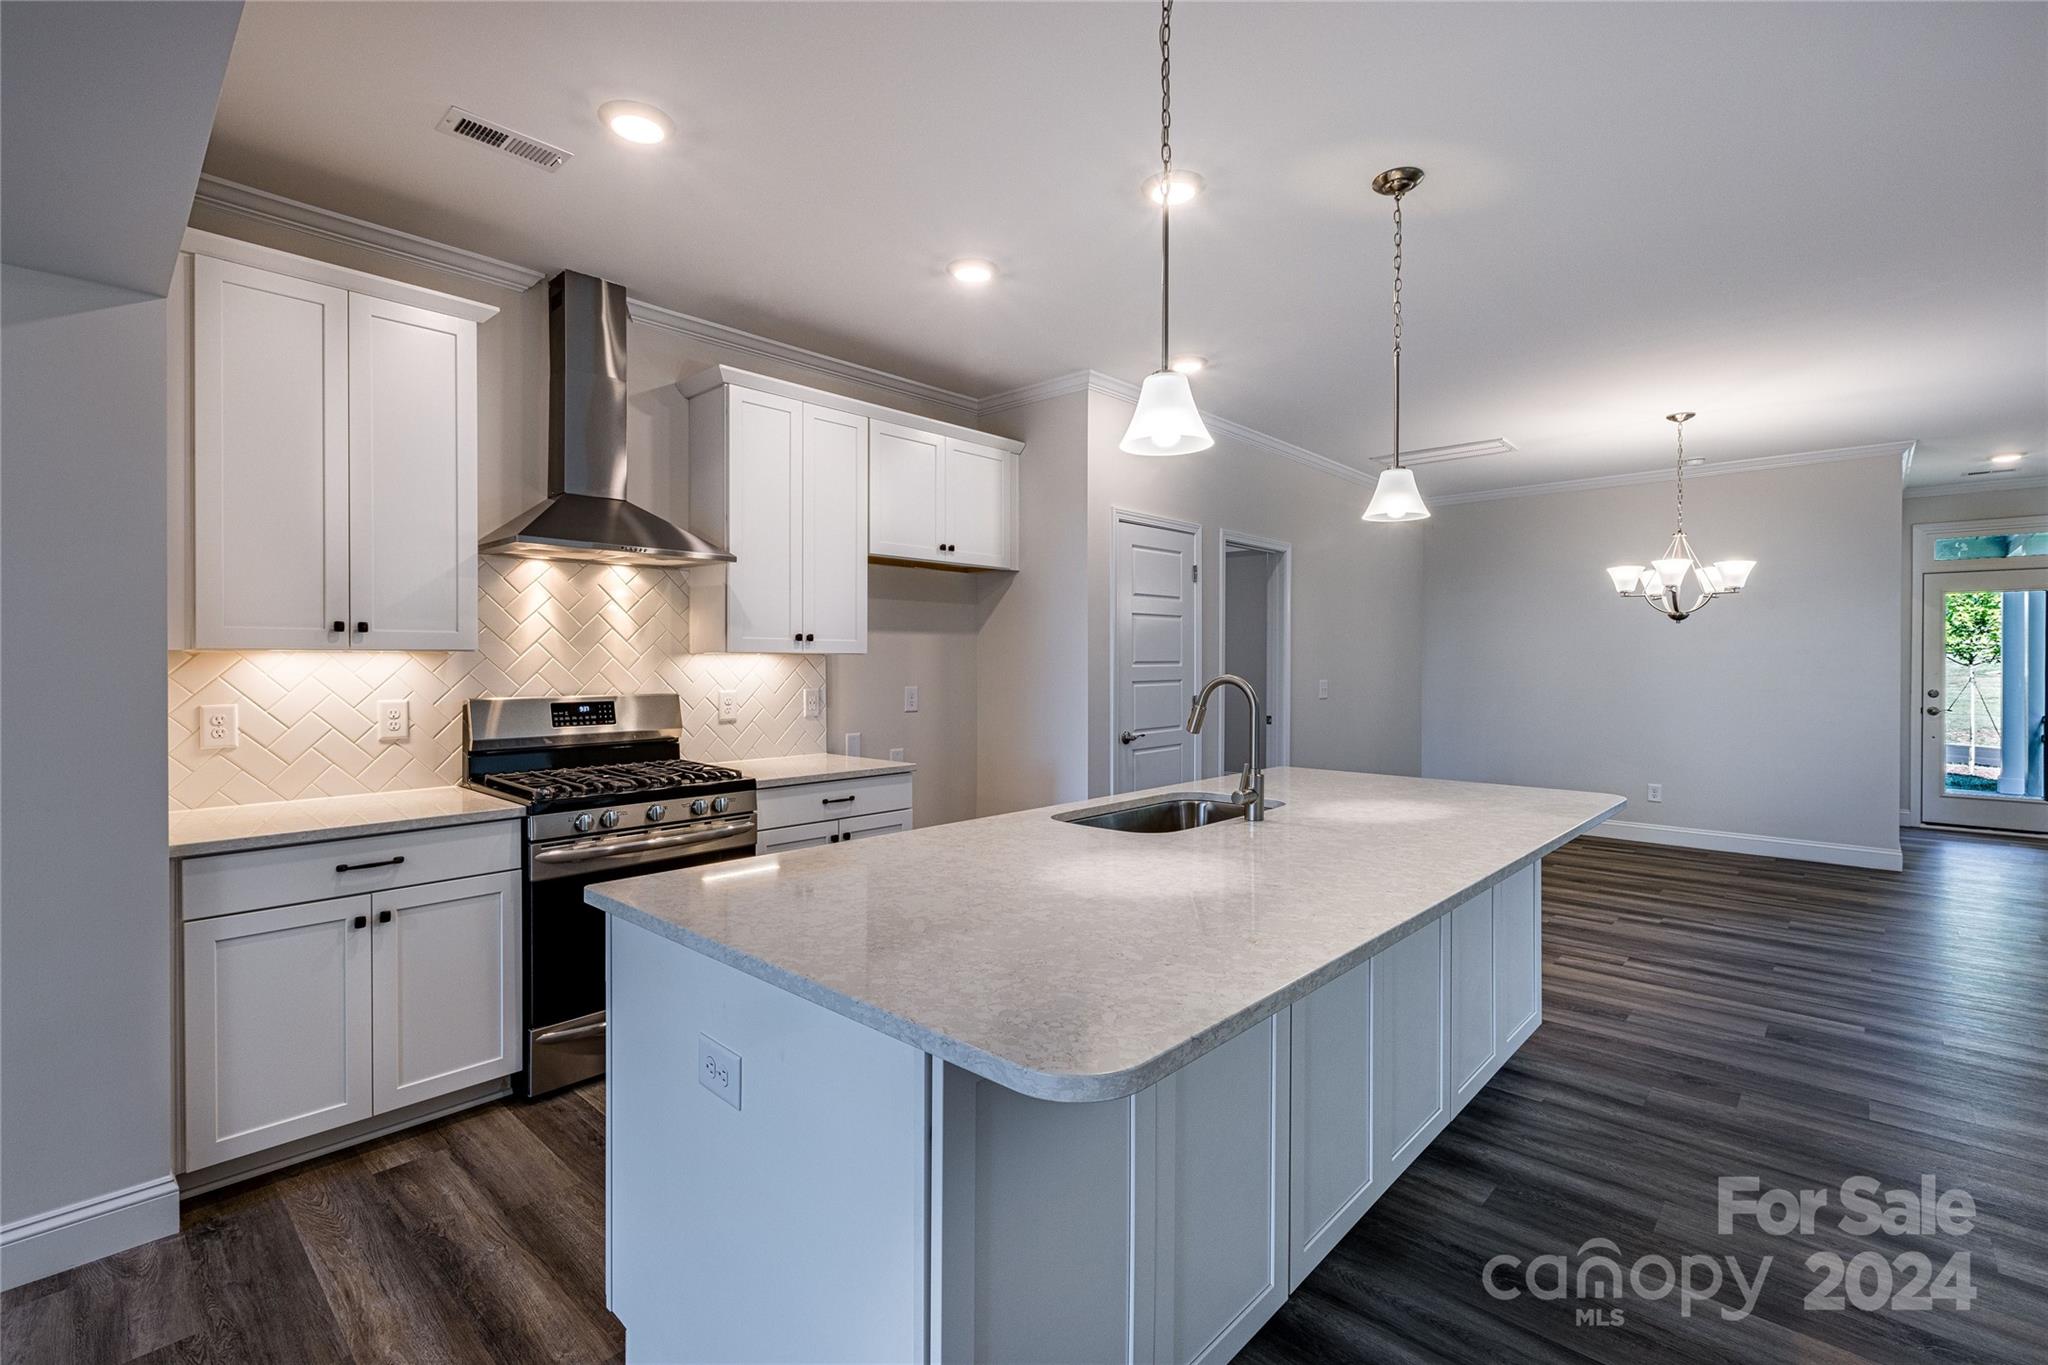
853 744
814 703
220 726
394 720
895 755
718 1069
1656 791
728 705
1322 689
910 699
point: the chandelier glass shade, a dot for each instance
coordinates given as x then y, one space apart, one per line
1662 582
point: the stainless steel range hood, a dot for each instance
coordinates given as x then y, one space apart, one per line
586 515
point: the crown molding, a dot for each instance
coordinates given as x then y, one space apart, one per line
749 343
1059 386
1901 451
246 201
1959 487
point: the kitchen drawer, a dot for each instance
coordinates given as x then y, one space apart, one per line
225 883
814 801
832 831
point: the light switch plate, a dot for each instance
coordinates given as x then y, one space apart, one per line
1322 689
728 705
718 1069
895 755
853 744
394 720
910 699
220 726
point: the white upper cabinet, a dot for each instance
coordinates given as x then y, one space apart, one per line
412 477
270 481
781 483
323 438
933 493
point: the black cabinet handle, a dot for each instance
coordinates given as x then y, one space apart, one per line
383 917
338 627
836 800
358 867
798 637
358 922
831 838
362 627
808 637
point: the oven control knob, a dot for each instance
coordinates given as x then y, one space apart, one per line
655 814
719 805
698 807
582 823
608 819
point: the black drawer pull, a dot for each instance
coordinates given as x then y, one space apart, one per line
338 627
358 867
362 627
383 917
836 800
358 922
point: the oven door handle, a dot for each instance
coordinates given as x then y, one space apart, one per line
597 850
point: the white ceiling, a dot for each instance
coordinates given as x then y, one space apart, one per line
1819 226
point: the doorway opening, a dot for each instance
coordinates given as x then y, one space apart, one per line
1256 592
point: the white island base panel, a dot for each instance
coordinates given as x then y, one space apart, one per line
867 1201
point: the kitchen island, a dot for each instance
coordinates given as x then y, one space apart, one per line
1023 1089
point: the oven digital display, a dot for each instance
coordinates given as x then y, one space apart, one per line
572 713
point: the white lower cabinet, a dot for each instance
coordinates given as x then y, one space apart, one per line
811 814
831 831
302 1019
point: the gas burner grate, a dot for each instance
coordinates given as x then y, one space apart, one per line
607 779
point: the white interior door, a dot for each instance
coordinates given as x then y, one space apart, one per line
269 459
412 477
835 531
1984 663
904 471
1157 601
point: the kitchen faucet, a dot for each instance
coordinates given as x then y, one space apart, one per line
1251 784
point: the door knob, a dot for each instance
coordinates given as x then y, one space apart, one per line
1934 710
1128 736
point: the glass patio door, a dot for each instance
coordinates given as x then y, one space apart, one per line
1980 702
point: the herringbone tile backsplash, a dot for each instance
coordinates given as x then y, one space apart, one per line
308 719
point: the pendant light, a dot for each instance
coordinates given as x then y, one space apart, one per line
1167 421
1664 579
1395 496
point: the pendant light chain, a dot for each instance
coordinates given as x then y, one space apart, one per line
1681 478
1397 331
1165 175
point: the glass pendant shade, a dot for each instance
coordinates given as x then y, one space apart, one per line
1734 573
1167 421
1626 577
1396 498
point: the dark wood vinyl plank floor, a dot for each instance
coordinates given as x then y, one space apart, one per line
1705 1015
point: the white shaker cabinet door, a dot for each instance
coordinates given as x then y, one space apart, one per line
978 484
447 987
1474 1039
764 587
412 477
1518 956
905 517
1410 1056
835 531
277 1026
270 481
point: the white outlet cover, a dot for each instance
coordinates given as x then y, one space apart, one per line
220 725
1656 791
718 1069
853 744
895 755
1322 689
394 720
814 702
910 698
728 705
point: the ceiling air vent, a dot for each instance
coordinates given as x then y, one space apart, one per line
1464 450
462 123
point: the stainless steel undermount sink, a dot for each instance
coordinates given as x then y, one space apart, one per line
1163 815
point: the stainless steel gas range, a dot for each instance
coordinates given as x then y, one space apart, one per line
608 794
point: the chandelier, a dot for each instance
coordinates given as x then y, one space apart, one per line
1395 496
1662 583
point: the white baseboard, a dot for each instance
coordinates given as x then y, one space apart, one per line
1907 820
1757 845
32 1248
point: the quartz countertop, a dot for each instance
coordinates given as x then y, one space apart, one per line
1071 963
269 824
800 768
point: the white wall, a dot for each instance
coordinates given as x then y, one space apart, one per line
1923 511
1774 714
1357 590
85 938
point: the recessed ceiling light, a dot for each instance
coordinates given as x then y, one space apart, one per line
642 123
1181 186
972 270
1187 364
2013 458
